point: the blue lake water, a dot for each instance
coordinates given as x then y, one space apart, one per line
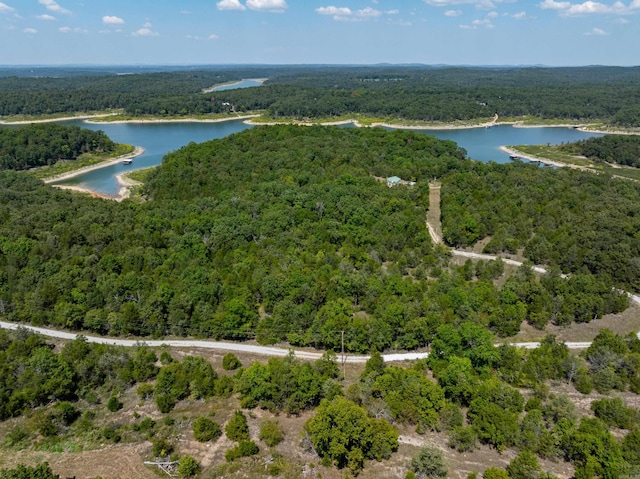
157 139
160 138
246 83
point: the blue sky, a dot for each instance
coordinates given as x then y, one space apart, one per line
475 32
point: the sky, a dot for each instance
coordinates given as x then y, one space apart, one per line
188 32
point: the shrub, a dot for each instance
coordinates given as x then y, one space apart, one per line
463 439
495 473
161 447
188 466
243 449
204 429
524 466
230 362
114 404
428 462
270 433
66 413
145 425
165 402
145 391
631 447
237 428
614 412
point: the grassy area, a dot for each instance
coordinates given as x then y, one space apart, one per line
88 159
554 153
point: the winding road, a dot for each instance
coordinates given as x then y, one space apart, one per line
300 353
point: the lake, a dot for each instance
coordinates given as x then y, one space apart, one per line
160 138
246 83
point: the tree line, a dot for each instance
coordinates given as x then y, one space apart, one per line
617 149
31 146
402 93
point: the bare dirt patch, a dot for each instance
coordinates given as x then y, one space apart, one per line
622 323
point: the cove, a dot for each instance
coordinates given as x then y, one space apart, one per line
160 138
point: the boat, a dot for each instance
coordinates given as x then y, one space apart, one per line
127 161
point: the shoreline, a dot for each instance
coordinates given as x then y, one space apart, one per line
123 193
546 161
138 150
176 120
51 120
230 84
394 126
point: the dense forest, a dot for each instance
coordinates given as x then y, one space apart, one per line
578 221
404 93
30 146
282 233
617 149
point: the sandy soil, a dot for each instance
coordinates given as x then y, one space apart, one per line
382 124
124 182
72 174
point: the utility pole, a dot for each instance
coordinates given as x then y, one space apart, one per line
344 368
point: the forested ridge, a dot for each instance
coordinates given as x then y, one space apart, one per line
616 149
279 233
31 146
444 94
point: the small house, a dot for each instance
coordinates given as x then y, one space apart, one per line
393 181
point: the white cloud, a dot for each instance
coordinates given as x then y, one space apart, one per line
622 21
553 5
345 11
452 13
4 8
145 32
30 31
46 17
230 5
112 20
492 14
368 12
483 23
54 7
596 32
275 6
185 12
147 25
519 15
345 14
589 7
64 29
213 36
594 7
482 4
